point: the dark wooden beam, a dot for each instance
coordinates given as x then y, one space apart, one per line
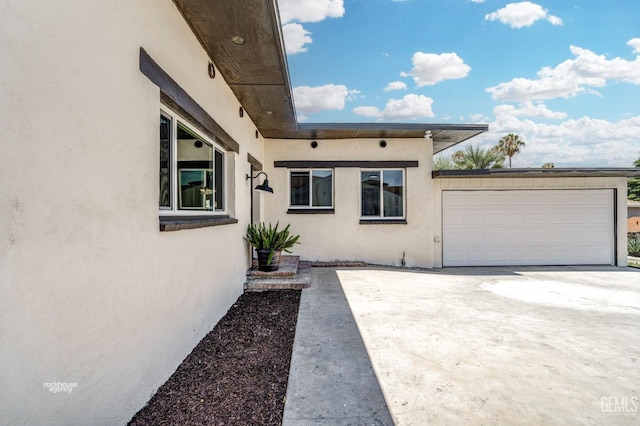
303 164
176 98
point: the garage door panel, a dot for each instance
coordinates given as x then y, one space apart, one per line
528 227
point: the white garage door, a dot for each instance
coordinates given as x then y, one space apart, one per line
528 227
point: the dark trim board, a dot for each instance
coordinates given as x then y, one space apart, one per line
336 164
537 173
178 223
255 164
175 97
310 211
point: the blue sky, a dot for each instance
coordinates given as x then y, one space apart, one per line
564 75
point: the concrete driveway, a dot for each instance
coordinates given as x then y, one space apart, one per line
502 345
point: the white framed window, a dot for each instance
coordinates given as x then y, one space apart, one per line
192 175
311 189
382 194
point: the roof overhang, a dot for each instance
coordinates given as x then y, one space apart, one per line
258 75
536 173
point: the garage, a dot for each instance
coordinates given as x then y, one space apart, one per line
528 227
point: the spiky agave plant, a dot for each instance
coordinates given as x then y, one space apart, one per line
633 246
263 237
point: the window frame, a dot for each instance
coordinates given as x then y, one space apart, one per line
381 217
310 205
174 209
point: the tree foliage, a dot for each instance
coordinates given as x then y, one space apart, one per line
633 185
443 162
548 166
478 158
510 145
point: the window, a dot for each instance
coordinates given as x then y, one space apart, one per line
311 189
191 170
382 194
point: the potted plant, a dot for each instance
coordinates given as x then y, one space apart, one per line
269 242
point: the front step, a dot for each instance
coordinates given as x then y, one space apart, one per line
291 275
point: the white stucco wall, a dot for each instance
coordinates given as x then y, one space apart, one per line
340 236
90 291
617 183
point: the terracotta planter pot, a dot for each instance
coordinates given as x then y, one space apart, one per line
263 257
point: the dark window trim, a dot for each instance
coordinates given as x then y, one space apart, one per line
178 223
308 210
255 164
176 98
311 207
339 163
383 221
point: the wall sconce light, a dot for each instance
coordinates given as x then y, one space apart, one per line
383 144
197 144
241 112
238 40
211 69
257 134
260 187
314 144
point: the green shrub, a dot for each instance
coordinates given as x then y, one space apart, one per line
633 247
263 237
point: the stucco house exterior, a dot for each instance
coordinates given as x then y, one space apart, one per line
130 130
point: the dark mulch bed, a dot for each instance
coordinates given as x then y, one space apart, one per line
237 375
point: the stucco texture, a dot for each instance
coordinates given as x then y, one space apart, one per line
91 293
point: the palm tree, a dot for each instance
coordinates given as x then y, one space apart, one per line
478 158
510 145
637 162
443 162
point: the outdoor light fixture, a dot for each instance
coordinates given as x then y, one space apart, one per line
264 186
238 40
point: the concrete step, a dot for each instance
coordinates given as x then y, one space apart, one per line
288 267
273 281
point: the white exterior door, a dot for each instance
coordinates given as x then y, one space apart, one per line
528 227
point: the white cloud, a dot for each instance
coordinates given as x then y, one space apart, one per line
296 38
367 111
476 118
310 100
431 68
523 14
635 43
571 77
410 107
309 10
528 109
395 85
554 20
586 142
477 1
